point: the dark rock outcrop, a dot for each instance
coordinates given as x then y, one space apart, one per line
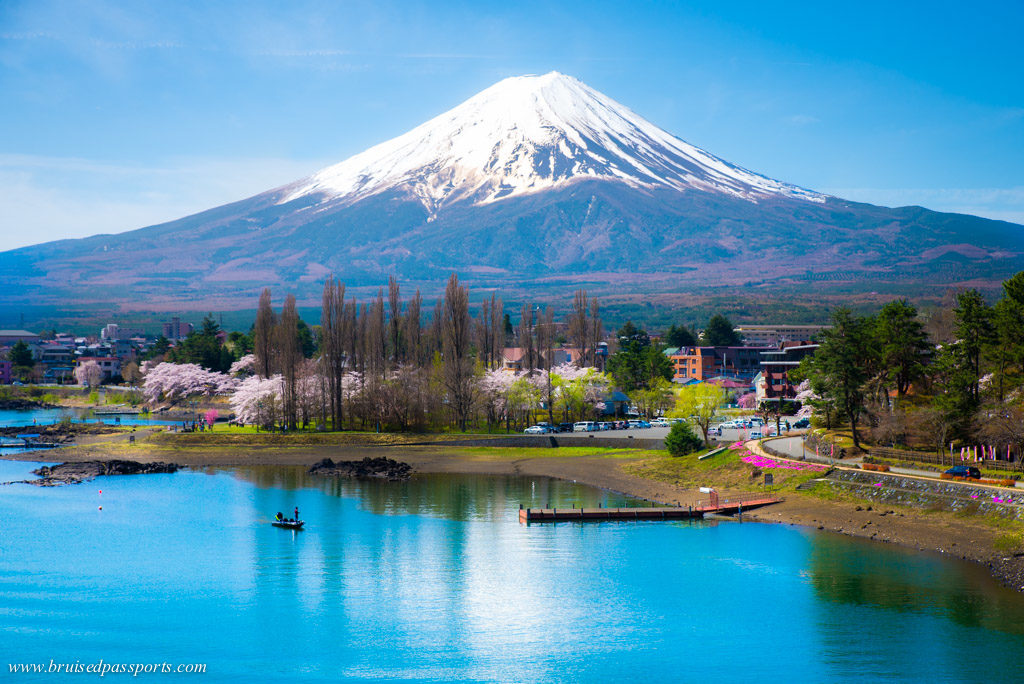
18 404
378 468
61 433
73 473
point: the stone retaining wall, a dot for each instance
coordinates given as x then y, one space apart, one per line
938 494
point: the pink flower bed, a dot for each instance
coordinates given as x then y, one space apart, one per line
764 462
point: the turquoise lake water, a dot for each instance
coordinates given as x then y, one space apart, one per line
435 579
29 418
47 416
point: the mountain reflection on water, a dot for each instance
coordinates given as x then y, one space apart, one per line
435 579
453 496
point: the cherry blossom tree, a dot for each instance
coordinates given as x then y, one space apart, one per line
578 391
89 374
806 396
244 366
175 382
257 401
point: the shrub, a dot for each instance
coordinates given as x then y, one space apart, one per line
874 467
681 440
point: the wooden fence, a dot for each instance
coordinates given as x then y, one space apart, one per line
944 459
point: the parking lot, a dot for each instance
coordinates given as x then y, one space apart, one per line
728 434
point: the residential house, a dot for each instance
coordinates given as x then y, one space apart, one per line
775 367
513 358
5 372
9 338
616 404
704 363
176 330
57 359
776 335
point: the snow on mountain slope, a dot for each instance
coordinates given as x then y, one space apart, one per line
526 134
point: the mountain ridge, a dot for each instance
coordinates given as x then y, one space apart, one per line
554 181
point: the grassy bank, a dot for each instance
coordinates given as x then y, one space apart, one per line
726 470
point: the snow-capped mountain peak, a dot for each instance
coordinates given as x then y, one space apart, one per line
530 133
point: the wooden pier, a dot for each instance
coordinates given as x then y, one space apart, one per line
722 507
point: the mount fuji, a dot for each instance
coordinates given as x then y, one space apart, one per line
537 181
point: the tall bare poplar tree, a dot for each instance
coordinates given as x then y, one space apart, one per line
413 334
436 326
263 336
332 345
362 334
484 333
498 329
595 329
579 327
524 331
545 352
376 343
456 334
289 356
395 322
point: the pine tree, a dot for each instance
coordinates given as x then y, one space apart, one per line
841 365
903 344
720 332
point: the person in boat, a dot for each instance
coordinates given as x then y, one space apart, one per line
296 514
280 517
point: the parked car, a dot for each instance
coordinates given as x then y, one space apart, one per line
537 430
659 422
584 426
639 424
564 427
802 423
964 471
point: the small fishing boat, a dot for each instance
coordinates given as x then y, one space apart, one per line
289 524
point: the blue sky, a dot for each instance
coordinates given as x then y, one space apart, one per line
117 115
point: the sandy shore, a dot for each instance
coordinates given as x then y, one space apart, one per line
939 532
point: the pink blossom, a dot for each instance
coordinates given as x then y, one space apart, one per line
257 400
176 381
243 366
89 374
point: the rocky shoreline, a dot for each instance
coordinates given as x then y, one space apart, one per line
76 473
380 468
61 433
